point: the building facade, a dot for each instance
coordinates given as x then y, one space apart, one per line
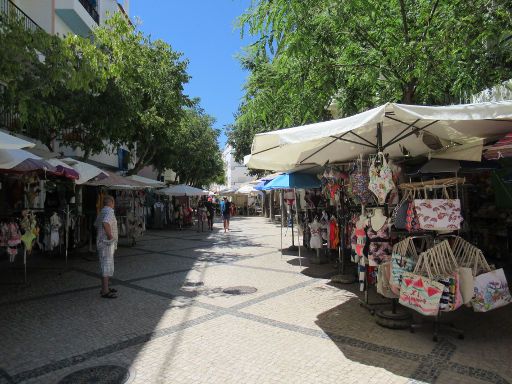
236 173
79 17
61 17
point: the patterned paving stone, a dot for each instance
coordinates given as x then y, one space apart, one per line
173 323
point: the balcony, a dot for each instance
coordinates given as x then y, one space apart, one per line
81 16
10 10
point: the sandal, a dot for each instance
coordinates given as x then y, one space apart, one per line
111 290
109 295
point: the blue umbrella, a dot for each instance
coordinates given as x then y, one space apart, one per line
261 185
293 181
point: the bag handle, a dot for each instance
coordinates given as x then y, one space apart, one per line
404 199
445 193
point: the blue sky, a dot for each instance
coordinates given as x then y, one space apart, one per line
205 32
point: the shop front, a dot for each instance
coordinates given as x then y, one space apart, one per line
408 202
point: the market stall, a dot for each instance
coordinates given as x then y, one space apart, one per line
129 198
181 203
410 236
35 195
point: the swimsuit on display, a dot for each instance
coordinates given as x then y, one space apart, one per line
316 236
380 248
360 181
361 260
381 179
28 240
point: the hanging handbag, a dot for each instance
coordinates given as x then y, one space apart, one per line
491 291
444 267
471 262
399 216
412 223
403 259
439 214
383 286
420 293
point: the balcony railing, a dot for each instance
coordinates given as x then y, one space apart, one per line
91 10
10 10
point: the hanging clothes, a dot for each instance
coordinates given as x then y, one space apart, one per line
316 235
334 234
381 178
55 224
380 248
159 215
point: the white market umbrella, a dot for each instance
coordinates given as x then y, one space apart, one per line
451 132
10 158
12 142
182 190
150 183
246 189
85 170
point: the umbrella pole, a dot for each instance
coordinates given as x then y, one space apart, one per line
281 239
293 247
297 215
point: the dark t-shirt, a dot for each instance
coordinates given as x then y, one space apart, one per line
209 206
227 208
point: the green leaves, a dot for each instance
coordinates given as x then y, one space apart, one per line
119 88
362 53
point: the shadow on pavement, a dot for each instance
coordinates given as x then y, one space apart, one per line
484 355
58 323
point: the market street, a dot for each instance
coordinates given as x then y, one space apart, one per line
176 321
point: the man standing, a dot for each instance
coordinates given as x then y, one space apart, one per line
225 208
106 243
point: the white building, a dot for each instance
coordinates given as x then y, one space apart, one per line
61 17
80 17
236 173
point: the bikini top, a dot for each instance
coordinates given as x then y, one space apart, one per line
382 233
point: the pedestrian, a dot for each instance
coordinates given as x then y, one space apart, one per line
225 210
106 243
200 216
210 213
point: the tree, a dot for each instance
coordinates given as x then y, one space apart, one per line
147 78
362 53
37 71
195 155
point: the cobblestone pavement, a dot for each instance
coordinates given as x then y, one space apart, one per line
174 322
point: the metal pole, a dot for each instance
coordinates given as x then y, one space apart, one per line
25 263
67 233
281 239
297 215
379 137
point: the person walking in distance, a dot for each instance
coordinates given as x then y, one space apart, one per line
106 243
210 213
225 210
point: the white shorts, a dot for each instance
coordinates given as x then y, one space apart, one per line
106 256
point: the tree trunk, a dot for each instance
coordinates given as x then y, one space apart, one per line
409 93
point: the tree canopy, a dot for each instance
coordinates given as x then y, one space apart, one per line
356 54
118 88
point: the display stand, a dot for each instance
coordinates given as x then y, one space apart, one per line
366 301
394 318
342 277
439 326
298 234
67 211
